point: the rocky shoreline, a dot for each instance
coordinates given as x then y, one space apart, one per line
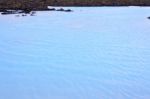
26 6
31 12
42 4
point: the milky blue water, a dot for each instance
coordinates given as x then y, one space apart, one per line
90 53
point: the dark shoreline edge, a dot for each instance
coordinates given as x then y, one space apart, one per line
26 6
32 12
27 10
43 4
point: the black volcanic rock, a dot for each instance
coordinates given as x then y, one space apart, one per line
5 12
23 4
68 10
61 9
52 9
42 4
98 2
64 10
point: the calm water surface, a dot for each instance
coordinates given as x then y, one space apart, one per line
91 53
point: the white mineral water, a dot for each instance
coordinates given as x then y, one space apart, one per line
90 53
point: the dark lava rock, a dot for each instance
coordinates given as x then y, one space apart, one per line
61 9
3 10
98 2
68 10
24 12
42 4
52 9
12 12
8 12
27 10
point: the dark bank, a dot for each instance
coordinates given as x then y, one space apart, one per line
42 4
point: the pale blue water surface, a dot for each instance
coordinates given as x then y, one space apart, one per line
91 53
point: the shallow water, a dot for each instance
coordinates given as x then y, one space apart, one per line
91 53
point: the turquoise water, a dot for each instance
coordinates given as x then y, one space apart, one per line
90 53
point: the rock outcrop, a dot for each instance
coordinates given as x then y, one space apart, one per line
23 4
99 2
42 4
